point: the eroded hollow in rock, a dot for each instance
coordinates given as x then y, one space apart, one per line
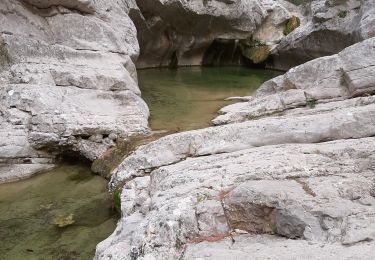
233 52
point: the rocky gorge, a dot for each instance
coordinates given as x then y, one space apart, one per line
284 173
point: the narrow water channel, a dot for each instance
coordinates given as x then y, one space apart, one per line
71 196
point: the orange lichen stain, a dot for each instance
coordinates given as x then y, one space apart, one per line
212 238
224 193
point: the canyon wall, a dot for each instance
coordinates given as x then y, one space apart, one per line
216 32
68 83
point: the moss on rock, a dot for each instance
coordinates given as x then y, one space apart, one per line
296 2
256 54
117 198
293 23
105 164
343 13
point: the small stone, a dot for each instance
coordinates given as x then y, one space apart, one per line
98 138
112 136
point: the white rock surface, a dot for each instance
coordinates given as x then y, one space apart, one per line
66 73
276 175
326 28
243 190
348 74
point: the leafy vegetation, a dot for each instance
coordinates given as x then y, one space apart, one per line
311 102
343 13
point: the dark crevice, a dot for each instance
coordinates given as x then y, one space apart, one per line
173 63
71 157
227 52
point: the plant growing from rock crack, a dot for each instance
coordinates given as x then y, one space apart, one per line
311 102
343 13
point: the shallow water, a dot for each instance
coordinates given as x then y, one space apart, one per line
189 98
28 207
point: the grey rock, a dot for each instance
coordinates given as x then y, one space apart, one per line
62 82
179 32
327 27
182 33
282 166
293 190
81 5
322 80
268 247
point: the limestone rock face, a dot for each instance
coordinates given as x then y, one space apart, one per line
246 188
348 74
296 161
80 5
66 74
179 31
326 28
212 32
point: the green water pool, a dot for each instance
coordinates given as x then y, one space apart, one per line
29 208
189 98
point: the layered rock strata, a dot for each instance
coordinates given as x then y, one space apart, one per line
246 188
215 32
68 81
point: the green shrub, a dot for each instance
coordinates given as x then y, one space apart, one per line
311 102
343 13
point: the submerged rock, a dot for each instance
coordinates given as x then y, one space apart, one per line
63 221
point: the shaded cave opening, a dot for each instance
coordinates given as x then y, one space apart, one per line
228 52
